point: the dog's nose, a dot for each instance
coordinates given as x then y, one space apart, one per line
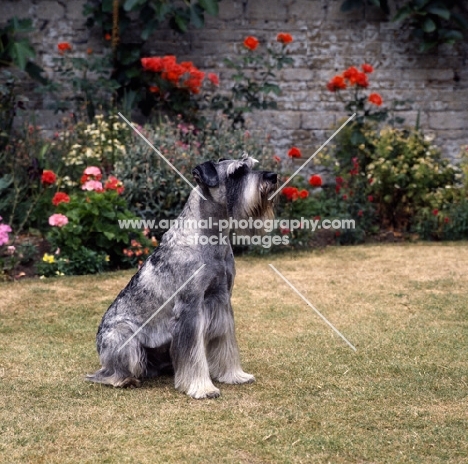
271 177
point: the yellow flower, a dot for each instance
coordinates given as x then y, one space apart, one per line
48 258
107 258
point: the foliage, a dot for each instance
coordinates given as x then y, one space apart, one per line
152 188
254 78
433 22
92 222
85 83
146 16
16 50
99 143
22 192
77 262
8 105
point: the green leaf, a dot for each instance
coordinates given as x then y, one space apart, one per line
196 16
210 6
375 2
20 53
149 28
429 25
402 14
461 20
181 23
107 6
425 46
130 5
439 10
349 5
421 3
35 72
450 35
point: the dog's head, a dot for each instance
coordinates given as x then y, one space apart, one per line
235 184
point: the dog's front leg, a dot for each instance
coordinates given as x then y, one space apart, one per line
188 353
223 354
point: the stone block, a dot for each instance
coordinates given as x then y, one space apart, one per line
448 120
51 11
318 120
230 10
11 8
273 10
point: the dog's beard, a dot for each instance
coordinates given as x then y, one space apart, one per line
256 206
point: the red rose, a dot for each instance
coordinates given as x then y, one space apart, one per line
153 89
315 180
107 36
375 98
446 220
339 180
345 197
277 159
360 213
350 74
64 47
336 83
284 38
48 178
60 197
303 194
213 78
294 152
251 42
367 68
291 193
361 80
435 212
370 198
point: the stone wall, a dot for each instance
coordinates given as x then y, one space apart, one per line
325 42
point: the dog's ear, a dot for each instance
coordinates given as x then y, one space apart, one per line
206 174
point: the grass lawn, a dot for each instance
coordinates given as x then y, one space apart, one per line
401 397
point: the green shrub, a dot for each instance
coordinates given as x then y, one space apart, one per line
153 190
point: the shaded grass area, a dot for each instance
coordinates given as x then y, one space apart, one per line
402 397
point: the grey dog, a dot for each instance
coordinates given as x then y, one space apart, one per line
193 334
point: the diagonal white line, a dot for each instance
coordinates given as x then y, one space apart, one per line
161 307
310 159
161 155
312 306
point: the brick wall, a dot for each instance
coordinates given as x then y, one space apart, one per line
326 41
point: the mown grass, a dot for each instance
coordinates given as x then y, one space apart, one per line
402 397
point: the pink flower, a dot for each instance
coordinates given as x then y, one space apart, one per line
93 171
58 220
4 230
92 185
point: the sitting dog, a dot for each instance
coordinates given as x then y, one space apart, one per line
176 312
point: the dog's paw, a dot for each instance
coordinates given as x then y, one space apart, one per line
130 382
236 378
203 394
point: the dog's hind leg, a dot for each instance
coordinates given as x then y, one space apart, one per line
122 366
189 355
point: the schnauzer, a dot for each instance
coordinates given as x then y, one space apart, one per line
193 334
